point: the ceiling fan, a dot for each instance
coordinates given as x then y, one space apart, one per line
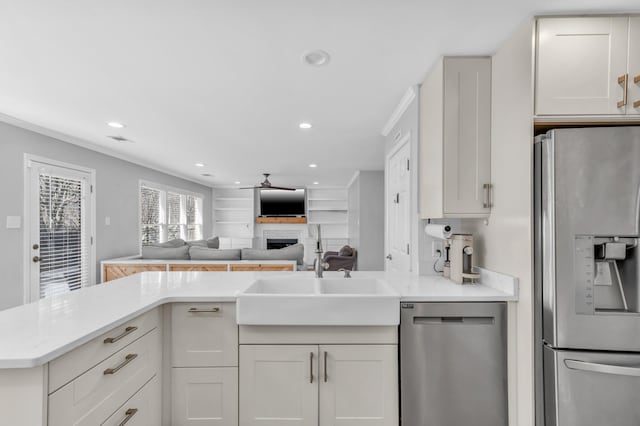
265 184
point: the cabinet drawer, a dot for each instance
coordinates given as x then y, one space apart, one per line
143 409
204 396
69 366
96 394
204 335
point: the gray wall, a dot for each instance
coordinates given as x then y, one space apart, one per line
366 219
116 197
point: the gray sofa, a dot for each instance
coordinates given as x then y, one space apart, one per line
209 250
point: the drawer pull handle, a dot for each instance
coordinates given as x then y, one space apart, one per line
126 361
125 333
129 415
310 367
203 311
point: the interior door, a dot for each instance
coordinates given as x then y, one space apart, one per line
60 229
278 385
591 388
398 210
579 63
359 385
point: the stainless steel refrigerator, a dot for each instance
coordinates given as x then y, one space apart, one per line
587 277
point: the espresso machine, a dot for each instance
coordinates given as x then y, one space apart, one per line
460 258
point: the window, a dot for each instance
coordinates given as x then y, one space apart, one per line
168 213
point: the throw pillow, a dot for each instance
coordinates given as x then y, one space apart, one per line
213 242
346 251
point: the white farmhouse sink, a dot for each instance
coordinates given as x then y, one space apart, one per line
318 301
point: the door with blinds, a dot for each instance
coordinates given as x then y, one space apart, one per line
60 230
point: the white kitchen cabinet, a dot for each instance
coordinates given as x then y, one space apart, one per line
142 409
204 396
455 139
633 106
278 384
358 385
585 65
204 335
326 385
204 361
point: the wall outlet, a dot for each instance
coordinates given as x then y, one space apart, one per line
437 249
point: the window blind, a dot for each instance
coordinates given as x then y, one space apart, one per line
64 247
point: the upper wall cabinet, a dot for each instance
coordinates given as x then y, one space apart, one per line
455 139
588 66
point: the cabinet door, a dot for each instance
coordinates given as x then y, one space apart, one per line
204 335
633 106
359 385
204 396
278 385
578 65
467 136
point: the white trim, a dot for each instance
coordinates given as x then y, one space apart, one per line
406 139
397 113
94 147
353 178
28 161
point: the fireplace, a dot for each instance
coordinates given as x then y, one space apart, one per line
277 243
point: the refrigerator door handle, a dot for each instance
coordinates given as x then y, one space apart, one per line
602 368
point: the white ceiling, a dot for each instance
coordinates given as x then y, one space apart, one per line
222 81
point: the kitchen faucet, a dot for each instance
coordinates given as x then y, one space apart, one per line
320 265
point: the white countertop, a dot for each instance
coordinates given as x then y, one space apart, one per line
39 332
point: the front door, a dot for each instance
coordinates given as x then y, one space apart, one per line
398 211
60 229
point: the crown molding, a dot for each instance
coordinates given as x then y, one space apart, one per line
93 147
404 103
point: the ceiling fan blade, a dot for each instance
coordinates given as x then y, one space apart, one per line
280 187
249 187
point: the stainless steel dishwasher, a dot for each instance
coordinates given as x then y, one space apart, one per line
453 364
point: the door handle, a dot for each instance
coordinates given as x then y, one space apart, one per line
623 80
326 377
36 246
636 80
595 367
36 259
310 367
389 257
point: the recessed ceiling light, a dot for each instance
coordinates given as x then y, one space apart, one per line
237 182
199 164
313 166
316 58
305 125
115 125
316 183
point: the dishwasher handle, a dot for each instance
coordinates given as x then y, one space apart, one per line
424 320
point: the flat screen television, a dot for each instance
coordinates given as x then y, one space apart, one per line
278 202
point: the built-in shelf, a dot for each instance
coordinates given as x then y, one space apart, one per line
233 213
